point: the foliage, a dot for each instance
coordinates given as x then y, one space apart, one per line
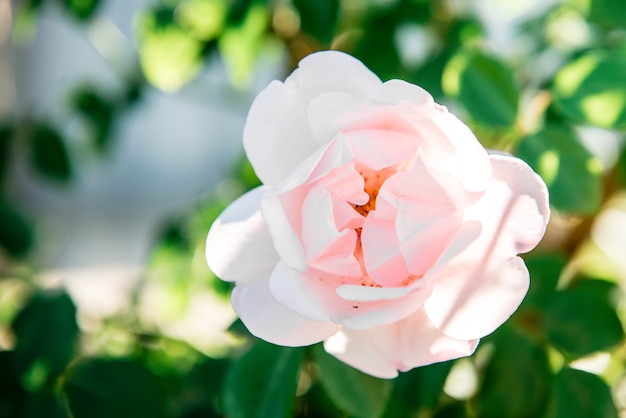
561 355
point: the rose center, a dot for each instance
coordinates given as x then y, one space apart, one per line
373 180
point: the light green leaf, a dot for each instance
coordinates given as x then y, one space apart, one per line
572 174
592 90
484 86
360 395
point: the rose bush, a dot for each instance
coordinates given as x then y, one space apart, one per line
382 228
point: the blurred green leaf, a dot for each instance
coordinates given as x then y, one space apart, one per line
545 270
578 394
169 56
200 396
358 394
582 319
453 410
263 382
608 13
572 174
377 45
16 234
82 9
485 87
517 379
418 389
49 155
120 388
203 19
98 112
591 89
12 395
6 137
318 18
45 332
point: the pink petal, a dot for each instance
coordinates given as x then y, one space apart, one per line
239 247
326 248
382 254
400 346
271 321
276 136
315 296
482 286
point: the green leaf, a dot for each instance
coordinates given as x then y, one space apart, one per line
572 174
485 87
120 388
578 394
49 155
98 113
591 89
169 56
377 48
609 13
318 18
418 389
16 234
545 270
263 382
358 394
6 137
517 378
45 332
581 319
12 396
82 9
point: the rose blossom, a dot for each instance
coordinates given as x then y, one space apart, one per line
383 227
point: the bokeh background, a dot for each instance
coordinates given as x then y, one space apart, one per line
120 142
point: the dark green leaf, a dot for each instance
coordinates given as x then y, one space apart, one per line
358 394
517 379
453 410
49 155
120 388
377 46
263 382
578 394
12 396
418 389
609 13
592 90
572 174
82 9
485 87
98 113
6 137
582 319
16 234
545 270
318 18
45 332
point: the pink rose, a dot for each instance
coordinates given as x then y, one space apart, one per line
383 227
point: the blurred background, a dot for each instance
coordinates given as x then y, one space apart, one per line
120 142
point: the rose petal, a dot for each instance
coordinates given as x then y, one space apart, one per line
326 248
484 285
240 233
470 302
276 135
403 345
314 296
398 91
268 319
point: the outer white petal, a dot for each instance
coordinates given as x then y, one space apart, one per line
271 321
277 137
387 349
481 287
239 246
